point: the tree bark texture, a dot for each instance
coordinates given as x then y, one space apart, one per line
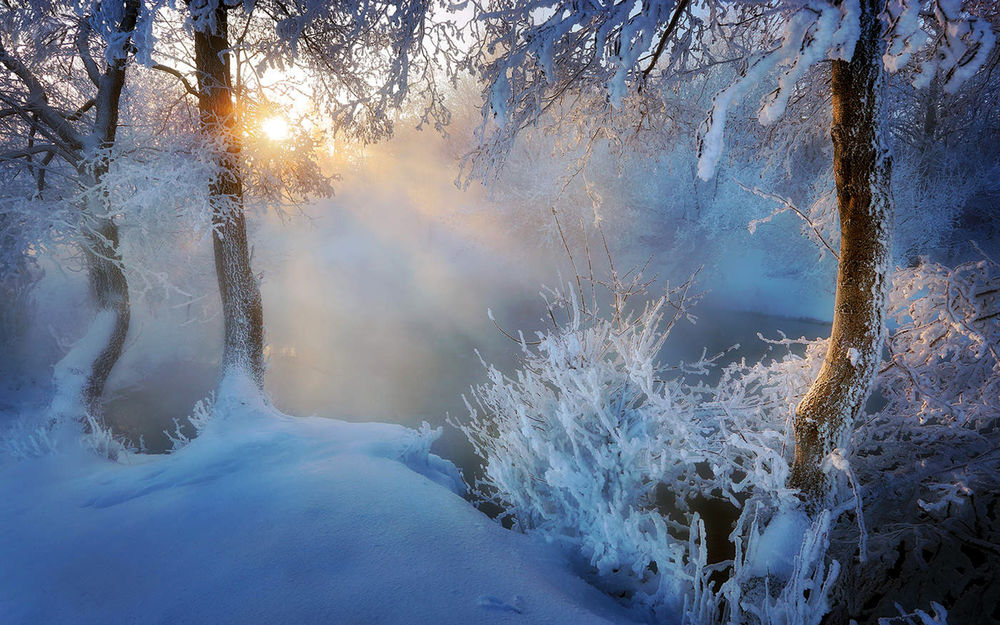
110 291
861 166
241 301
104 267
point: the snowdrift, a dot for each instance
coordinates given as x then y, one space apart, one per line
266 518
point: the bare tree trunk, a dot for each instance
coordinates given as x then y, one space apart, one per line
104 268
241 301
861 167
110 290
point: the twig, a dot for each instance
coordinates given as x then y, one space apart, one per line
662 44
788 206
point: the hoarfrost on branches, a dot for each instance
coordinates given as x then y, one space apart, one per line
551 58
579 440
583 439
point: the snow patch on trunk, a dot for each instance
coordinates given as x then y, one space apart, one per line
70 374
854 356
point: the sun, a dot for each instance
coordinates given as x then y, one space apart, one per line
275 128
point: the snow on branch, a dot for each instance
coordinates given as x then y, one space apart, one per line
549 57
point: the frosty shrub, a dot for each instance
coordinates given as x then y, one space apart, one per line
32 437
913 506
99 438
575 443
929 459
201 414
593 445
938 616
21 439
914 499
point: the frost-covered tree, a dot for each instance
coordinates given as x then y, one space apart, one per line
64 72
243 314
945 165
356 62
616 60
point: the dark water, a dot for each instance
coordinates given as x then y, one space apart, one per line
410 393
142 411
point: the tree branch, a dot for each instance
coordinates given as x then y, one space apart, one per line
82 38
30 117
26 152
40 175
683 4
178 75
788 206
78 113
50 116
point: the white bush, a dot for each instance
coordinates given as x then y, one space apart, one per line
577 440
201 414
928 459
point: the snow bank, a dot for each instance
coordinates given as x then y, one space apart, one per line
266 518
775 551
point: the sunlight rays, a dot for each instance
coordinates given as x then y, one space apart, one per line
275 128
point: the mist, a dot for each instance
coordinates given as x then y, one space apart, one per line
376 300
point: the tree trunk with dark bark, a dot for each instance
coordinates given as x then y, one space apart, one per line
241 301
104 267
110 291
861 166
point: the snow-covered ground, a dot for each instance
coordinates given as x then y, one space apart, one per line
267 518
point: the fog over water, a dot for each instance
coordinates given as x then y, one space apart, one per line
376 300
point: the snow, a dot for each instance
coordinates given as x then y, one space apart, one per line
813 39
854 355
71 372
774 553
267 518
906 37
